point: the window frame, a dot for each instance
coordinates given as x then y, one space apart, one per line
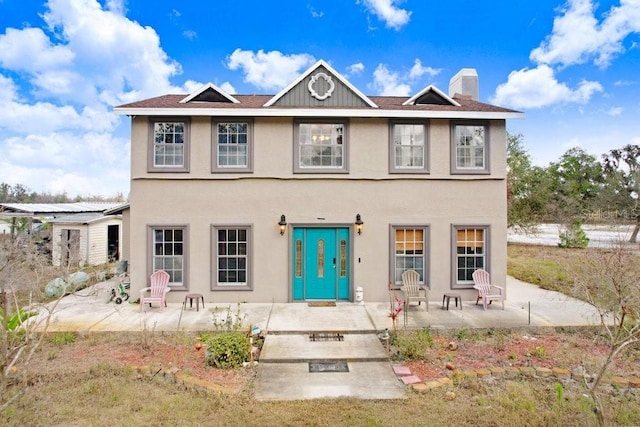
215 285
185 252
424 169
426 239
455 169
297 168
151 166
215 167
468 284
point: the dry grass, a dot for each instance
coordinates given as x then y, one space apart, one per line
108 396
110 393
545 266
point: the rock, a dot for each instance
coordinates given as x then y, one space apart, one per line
450 366
453 346
449 395
56 287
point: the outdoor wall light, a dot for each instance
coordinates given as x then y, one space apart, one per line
359 224
282 224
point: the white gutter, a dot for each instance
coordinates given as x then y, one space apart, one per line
316 112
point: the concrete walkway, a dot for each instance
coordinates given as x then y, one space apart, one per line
527 305
283 371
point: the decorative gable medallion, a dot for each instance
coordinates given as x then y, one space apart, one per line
321 90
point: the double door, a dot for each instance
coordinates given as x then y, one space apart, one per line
320 263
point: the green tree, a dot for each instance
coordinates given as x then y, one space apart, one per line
576 182
622 173
528 187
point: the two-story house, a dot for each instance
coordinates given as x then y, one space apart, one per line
318 190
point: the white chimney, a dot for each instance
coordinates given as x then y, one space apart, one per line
465 83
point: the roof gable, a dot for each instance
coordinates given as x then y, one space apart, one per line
320 86
431 95
210 93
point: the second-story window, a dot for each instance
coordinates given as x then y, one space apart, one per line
470 148
408 149
320 146
232 145
169 145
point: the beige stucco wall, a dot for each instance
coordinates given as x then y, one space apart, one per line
200 199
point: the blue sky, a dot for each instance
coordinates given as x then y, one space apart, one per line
571 67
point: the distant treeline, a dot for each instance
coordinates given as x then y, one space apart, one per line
22 194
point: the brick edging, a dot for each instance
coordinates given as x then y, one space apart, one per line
509 373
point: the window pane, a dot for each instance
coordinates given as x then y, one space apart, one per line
410 252
232 144
470 146
408 140
169 138
168 254
470 244
320 145
232 256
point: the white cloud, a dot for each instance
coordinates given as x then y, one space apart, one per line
578 36
418 70
396 83
355 69
88 164
314 12
538 87
111 50
387 83
57 130
31 50
269 70
228 87
190 34
615 111
386 11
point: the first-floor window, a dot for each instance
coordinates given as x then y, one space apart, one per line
169 252
470 253
232 256
409 252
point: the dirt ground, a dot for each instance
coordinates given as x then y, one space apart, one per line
465 350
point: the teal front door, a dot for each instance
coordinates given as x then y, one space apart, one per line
320 263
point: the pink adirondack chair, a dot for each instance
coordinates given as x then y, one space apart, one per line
158 290
486 291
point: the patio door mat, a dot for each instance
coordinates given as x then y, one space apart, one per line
322 303
328 366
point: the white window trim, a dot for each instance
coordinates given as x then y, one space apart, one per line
215 168
455 170
215 286
321 169
426 252
151 166
185 252
467 284
424 169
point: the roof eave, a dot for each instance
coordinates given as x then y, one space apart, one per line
315 112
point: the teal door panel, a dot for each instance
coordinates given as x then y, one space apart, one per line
320 263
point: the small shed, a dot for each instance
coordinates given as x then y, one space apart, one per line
80 233
87 238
